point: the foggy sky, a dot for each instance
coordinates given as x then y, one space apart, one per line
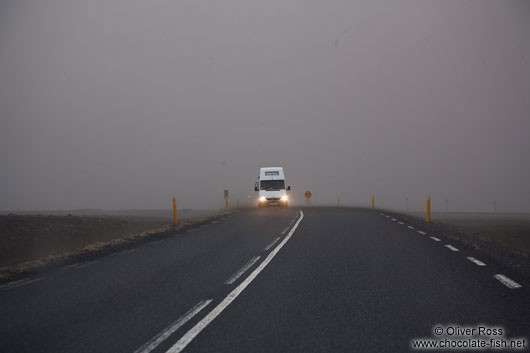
124 104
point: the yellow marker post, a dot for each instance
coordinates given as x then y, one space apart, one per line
338 202
428 210
373 201
175 218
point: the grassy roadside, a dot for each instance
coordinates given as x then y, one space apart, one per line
99 248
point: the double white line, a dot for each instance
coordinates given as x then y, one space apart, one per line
201 325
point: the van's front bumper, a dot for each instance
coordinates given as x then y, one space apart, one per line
272 202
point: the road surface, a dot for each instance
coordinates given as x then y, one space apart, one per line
272 280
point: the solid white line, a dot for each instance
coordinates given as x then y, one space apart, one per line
452 248
285 230
510 283
394 219
435 239
272 244
242 270
19 283
86 264
475 261
159 338
419 231
401 223
411 227
201 325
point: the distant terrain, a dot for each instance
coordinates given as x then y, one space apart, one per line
28 235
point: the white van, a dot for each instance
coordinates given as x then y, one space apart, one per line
271 187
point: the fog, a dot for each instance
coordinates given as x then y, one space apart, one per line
125 104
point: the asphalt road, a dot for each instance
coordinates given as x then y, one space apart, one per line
272 280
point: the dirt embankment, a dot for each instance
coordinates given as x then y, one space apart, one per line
28 237
32 243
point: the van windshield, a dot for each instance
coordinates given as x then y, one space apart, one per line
272 185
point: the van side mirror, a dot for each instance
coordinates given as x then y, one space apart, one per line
255 188
288 188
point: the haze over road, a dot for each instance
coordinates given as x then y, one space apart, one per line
293 280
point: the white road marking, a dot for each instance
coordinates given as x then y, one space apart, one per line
450 247
387 216
159 338
201 325
191 230
20 282
242 270
215 222
435 239
411 227
419 231
285 230
114 254
510 283
401 223
128 251
394 219
86 264
272 244
475 261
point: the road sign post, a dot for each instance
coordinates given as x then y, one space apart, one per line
308 197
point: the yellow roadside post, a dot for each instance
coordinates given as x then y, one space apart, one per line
338 202
175 218
428 210
226 199
373 201
307 195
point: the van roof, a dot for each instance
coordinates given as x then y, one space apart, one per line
271 173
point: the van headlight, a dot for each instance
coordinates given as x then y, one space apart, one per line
284 198
262 199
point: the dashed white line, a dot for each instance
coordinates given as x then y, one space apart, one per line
421 232
475 261
510 283
450 247
401 223
435 239
285 230
242 270
159 338
387 216
411 227
201 325
272 244
394 219
19 283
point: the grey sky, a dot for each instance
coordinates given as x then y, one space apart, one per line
123 104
